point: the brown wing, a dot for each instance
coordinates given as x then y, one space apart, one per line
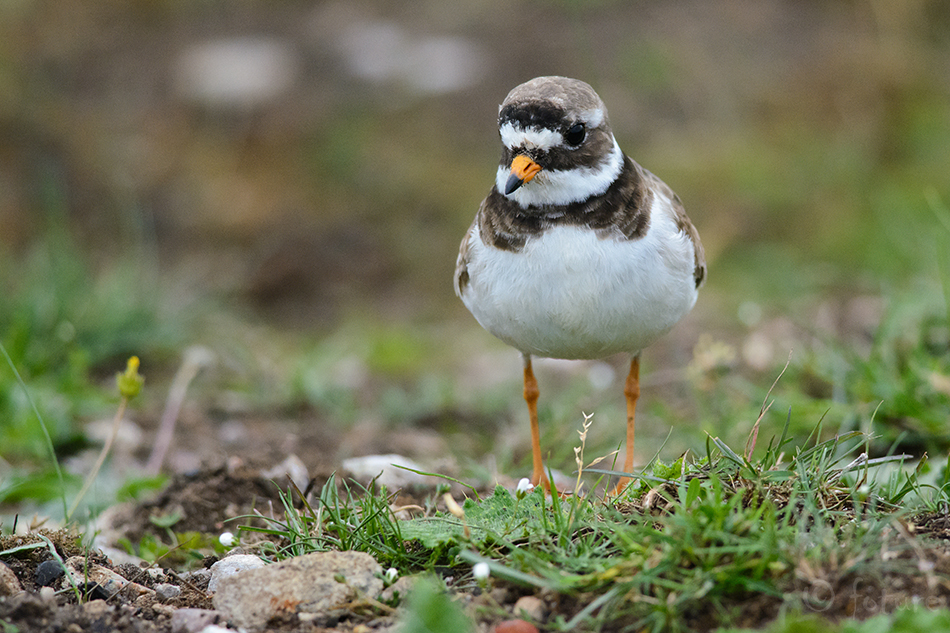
685 225
461 264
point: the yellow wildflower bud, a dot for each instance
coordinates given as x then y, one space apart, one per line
130 381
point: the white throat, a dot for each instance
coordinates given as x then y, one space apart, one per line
565 186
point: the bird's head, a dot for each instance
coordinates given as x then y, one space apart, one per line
558 145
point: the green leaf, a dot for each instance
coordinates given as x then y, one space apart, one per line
431 610
692 493
499 516
166 520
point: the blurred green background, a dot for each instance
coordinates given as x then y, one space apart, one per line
286 184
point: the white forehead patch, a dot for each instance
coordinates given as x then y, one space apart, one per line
515 136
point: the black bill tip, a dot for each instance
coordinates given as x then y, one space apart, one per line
513 183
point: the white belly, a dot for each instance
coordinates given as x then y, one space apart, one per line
571 294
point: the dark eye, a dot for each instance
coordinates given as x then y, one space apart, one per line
575 135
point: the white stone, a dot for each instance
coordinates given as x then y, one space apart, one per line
388 469
231 566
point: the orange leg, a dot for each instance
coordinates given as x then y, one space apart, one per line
632 391
531 394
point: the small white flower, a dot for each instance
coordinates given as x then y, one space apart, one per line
524 487
227 539
391 575
481 571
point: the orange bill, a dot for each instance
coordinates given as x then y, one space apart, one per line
523 169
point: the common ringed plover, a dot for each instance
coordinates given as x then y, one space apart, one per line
578 252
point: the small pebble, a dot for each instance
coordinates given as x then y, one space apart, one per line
47 572
214 628
499 595
96 608
156 573
166 591
292 468
387 470
530 606
143 602
94 591
193 620
9 585
516 626
399 589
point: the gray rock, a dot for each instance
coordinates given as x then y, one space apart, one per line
193 620
47 572
307 584
231 565
388 470
9 585
156 574
166 591
292 468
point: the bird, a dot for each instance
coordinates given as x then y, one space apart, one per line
577 252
